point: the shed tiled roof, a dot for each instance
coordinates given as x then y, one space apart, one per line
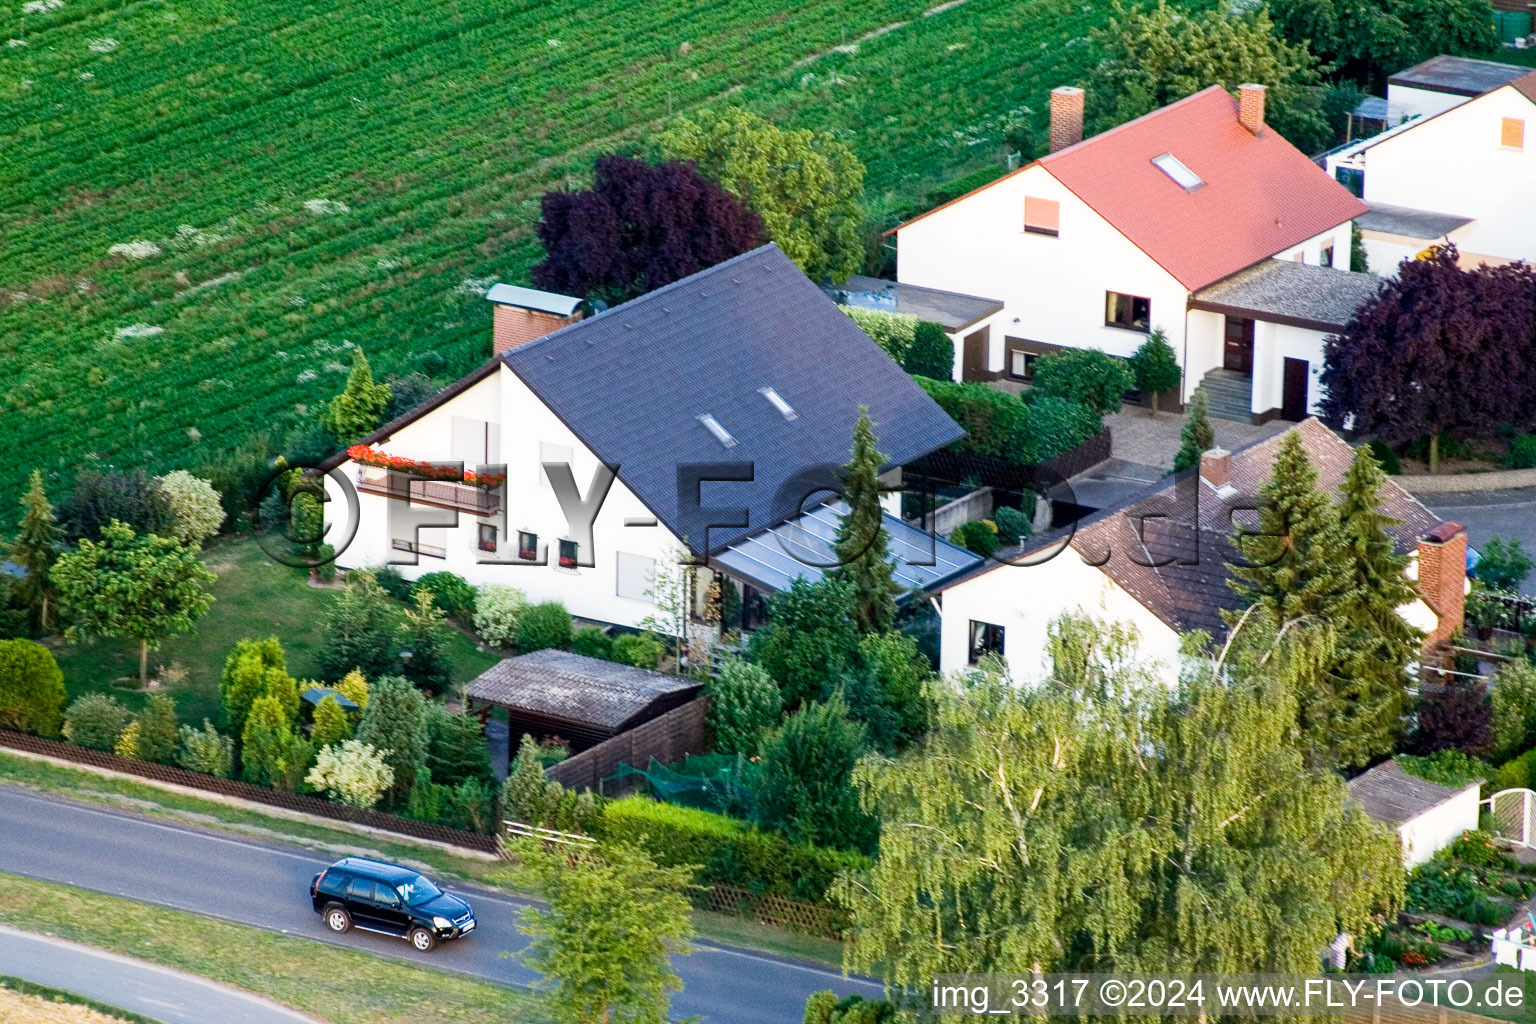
575 688
1168 546
1280 291
633 382
1391 795
1260 195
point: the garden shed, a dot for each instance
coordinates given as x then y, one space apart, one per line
583 701
1427 816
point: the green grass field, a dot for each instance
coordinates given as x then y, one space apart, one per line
204 205
253 597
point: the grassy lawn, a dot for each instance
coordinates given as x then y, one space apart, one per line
253 597
78 784
338 985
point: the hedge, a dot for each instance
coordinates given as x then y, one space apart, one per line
1026 431
893 332
728 850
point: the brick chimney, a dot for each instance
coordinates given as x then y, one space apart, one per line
1443 579
1250 107
1216 467
519 315
1066 117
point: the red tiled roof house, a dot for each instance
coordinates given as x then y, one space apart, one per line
1198 219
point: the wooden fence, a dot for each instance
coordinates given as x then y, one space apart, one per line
668 738
318 806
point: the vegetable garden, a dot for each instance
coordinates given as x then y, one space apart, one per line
204 206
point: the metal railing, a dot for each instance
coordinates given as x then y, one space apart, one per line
479 501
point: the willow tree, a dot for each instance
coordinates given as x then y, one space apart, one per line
1104 821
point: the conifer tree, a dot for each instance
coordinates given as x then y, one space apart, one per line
862 545
360 408
35 549
1377 643
263 742
1198 435
331 722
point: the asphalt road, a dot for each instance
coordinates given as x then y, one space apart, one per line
155 991
1485 514
267 885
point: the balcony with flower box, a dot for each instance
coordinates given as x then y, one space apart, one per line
426 483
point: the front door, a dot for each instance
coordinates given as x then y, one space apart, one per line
1293 400
1237 353
974 366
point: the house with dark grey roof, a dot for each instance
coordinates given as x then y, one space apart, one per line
1159 562
1426 816
582 701
1174 222
695 419
1456 165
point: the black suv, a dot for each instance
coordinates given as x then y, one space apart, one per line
387 898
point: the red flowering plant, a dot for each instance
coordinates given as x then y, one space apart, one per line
367 456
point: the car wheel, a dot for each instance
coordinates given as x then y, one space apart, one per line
423 940
338 920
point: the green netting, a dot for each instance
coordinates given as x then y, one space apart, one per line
710 782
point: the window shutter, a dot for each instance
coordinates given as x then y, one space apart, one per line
1513 134
1042 216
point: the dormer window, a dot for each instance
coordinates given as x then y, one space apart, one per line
1182 176
777 400
721 434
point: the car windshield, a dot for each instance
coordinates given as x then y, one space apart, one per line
418 891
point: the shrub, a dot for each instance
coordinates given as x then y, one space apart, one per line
205 750
359 631
893 332
424 633
331 725
1446 768
255 668
1503 564
409 392
1518 773
1478 848
1012 525
497 609
450 592
810 638
745 705
1155 367
805 789
980 536
456 749
1387 458
470 805
592 642
1455 715
98 498
1522 452
932 353
326 570
827 1008
1514 707
353 687
128 743
995 422
158 738
195 507
32 693
727 850
642 650
544 625
352 772
1086 376
95 720
1058 425
395 722
391 582
264 742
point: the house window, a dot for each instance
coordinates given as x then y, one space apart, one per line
567 554
487 537
1042 216
557 453
1132 312
1326 259
986 638
527 546
1513 133
636 576
1021 364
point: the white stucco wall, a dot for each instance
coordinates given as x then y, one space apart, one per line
1405 101
525 422
1024 600
1438 827
1455 164
1052 286
1272 345
1311 250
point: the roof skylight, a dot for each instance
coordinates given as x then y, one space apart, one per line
785 409
1175 169
721 434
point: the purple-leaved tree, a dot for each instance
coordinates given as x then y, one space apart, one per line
1439 351
638 227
